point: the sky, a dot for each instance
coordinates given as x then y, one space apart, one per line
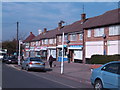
39 15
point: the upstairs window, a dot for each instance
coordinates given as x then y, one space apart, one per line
114 30
73 37
46 41
50 41
98 32
89 33
81 37
65 37
60 38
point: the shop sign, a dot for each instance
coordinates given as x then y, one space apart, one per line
37 48
43 48
75 47
32 48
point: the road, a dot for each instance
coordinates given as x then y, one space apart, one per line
15 78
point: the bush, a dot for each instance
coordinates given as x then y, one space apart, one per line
102 59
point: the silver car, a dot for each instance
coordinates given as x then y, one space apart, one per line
33 63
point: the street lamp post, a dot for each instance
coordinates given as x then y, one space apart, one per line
62 65
20 42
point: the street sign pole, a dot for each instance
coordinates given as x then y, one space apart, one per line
62 66
19 53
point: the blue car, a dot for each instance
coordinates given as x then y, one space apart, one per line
106 76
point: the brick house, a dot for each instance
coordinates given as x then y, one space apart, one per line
27 43
74 34
102 34
96 35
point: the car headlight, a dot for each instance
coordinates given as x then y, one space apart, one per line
91 70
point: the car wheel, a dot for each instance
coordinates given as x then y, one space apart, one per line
27 68
98 85
22 68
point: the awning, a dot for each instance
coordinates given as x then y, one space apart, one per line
51 47
60 46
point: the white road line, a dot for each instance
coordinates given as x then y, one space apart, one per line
54 81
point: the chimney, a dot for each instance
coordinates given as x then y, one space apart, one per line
60 24
39 31
83 17
30 33
45 30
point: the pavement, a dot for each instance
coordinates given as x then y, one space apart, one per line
76 71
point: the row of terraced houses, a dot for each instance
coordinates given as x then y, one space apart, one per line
82 39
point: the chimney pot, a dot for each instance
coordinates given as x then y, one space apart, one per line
30 32
83 16
45 30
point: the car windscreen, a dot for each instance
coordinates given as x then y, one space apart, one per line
35 59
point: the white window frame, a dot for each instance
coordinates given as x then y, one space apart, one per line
46 41
98 32
65 38
60 38
114 30
51 41
80 36
89 33
73 37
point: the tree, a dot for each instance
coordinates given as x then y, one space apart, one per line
10 46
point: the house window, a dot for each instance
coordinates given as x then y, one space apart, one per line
114 30
54 40
65 37
89 33
46 41
60 38
98 32
81 37
73 37
51 41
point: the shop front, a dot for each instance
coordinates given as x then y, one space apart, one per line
37 51
76 53
43 53
32 51
51 51
59 53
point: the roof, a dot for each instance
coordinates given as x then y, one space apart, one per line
108 18
30 37
74 27
48 34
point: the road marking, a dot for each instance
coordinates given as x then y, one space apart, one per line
54 81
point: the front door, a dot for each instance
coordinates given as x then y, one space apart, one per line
71 55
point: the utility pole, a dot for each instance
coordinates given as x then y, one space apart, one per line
17 45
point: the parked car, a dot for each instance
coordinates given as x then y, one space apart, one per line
106 76
33 63
11 60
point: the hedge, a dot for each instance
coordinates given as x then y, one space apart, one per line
102 59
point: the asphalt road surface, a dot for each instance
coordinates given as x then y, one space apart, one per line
15 78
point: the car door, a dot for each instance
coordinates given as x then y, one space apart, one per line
110 75
119 77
